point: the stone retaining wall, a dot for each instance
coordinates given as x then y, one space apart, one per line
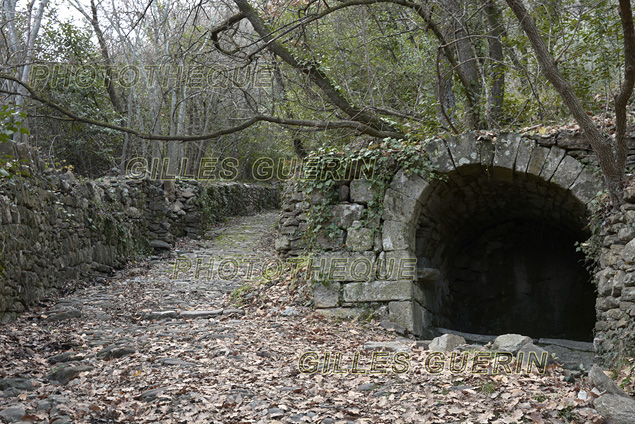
615 304
55 227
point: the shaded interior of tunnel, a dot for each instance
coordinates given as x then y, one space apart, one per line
505 244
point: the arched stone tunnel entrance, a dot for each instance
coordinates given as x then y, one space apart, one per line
507 256
495 239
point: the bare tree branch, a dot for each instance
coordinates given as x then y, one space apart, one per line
316 125
312 70
222 27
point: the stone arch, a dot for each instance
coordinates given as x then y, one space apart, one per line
491 192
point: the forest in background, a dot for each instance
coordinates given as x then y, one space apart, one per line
230 78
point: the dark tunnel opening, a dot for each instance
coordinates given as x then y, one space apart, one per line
521 276
506 249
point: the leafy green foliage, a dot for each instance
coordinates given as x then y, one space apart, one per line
11 124
377 162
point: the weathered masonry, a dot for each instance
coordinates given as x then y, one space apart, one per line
494 241
55 227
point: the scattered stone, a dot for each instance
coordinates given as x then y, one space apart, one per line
65 357
469 337
201 314
326 296
446 343
154 315
569 344
43 405
617 409
102 316
151 394
535 356
16 383
11 392
258 404
160 244
233 311
393 346
425 344
66 373
187 193
296 418
61 419
290 312
629 194
113 352
217 336
64 314
275 413
367 387
469 348
176 361
570 375
57 399
510 343
604 383
569 358
13 414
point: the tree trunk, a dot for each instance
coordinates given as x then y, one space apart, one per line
467 61
497 92
601 145
108 81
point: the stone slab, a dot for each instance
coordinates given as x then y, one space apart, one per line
378 291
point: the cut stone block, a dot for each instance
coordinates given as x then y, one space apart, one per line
446 343
408 314
360 239
567 172
440 155
537 160
378 291
586 186
552 161
399 207
397 235
361 191
410 184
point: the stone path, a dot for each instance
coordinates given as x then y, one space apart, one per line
126 315
156 347
156 290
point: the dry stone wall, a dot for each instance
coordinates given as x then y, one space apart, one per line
615 304
55 228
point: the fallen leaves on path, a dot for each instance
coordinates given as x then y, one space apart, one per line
233 368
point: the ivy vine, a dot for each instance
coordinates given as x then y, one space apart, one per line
377 162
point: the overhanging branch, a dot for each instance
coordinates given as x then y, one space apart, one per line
316 125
